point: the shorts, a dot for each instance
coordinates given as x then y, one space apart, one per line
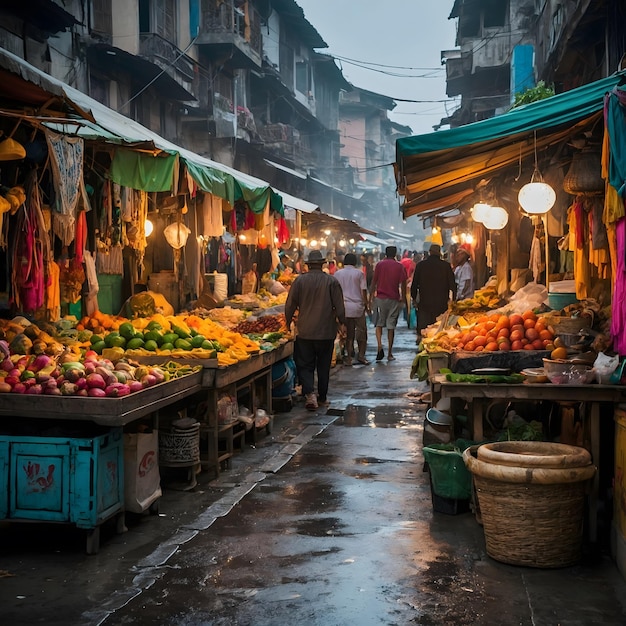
388 312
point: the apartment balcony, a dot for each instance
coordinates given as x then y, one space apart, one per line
159 63
231 29
285 141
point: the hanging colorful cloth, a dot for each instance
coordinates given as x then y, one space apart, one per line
618 302
282 231
30 248
66 160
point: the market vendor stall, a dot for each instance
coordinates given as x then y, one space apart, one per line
62 458
479 395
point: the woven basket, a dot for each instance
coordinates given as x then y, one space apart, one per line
532 513
585 174
568 325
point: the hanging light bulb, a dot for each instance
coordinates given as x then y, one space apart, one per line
479 211
148 227
536 197
303 241
496 219
351 241
342 242
454 238
313 243
327 232
469 238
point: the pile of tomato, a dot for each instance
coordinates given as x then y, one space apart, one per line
494 332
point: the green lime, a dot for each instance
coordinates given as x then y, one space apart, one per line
167 346
151 345
111 338
134 343
207 345
95 339
197 341
98 347
182 344
154 326
127 330
153 335
170 337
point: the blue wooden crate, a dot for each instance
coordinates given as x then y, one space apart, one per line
63 479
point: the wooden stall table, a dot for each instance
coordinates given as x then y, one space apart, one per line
253 377
83 482
478 395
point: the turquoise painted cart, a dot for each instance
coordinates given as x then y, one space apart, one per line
77 476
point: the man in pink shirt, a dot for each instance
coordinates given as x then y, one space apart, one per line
388 292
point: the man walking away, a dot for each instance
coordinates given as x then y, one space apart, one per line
433 282
389 291
318 298
354 286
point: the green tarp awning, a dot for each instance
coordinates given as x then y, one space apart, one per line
138 170
442 169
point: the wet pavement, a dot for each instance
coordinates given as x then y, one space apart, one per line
327 521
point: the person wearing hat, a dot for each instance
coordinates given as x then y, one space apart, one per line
389 293
431 288
318 299
463 273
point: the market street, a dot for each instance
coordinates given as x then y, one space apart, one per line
327 521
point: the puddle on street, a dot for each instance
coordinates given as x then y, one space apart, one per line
379 417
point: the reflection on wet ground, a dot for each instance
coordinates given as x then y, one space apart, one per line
380 417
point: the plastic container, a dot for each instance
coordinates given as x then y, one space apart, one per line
558 301
450 481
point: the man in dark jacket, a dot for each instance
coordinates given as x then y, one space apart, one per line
432 287
318 298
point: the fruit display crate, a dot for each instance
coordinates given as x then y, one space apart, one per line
103 411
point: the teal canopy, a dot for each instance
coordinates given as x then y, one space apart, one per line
440 170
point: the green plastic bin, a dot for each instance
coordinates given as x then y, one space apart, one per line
449 476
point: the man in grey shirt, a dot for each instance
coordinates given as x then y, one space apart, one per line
318 298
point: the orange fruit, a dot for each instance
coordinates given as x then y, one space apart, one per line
481 340
531 334
517 345
537 344
516 335
529 323
518 327
504 332
515 319
558 353
504 346
529 315
469 346
492 346
544 334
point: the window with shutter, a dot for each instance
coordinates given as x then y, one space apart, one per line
102 16
164 17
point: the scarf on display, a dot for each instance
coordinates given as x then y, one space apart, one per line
618 303
66 160
29 249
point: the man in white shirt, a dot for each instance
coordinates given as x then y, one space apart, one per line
354 286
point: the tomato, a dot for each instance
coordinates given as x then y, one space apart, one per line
516 335
504 332
516 345
529 323
531 334
504 346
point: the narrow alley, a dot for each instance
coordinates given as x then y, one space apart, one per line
327 521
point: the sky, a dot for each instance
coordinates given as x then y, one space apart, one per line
405 35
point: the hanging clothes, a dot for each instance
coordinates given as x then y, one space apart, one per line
53 292
212 222
618 303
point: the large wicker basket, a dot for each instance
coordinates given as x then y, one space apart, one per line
531 497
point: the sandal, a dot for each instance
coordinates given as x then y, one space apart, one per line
380 355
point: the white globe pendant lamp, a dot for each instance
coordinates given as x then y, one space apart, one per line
497 218
536 197
479 211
